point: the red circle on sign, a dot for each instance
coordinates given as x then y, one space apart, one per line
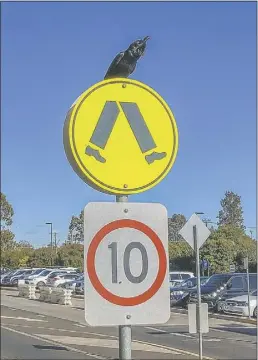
106 294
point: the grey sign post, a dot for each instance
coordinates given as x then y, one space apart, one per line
196 233
125 331
246 266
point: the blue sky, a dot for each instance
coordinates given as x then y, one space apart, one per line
201 58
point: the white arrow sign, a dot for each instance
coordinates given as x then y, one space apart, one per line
202 231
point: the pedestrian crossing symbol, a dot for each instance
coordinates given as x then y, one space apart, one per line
121 137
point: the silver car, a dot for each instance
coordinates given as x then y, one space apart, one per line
239 305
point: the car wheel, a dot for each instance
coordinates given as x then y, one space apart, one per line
40 284
255 312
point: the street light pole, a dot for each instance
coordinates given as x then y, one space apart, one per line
51 241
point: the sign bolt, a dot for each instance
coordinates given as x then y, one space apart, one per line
125 186
124 86
126 210
128 317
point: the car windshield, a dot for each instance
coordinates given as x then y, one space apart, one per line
57 273
45 272
20 272
28 272
36 272
185 276
254 293
218 280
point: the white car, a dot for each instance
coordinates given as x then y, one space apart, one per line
239 305
39 279
176 277
61 278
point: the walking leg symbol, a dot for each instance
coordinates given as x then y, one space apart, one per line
138 126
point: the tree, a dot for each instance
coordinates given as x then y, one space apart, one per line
70 255
231 212
24 244
228 245
181 256
6 212
175 224
40 257
76 233
7 241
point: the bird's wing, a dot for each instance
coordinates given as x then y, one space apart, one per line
114 63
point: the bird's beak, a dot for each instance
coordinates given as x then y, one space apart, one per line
144 43
146 39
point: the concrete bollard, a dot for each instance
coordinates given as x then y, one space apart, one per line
61 296
27 291
45 294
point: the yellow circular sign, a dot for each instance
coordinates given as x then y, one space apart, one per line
121 137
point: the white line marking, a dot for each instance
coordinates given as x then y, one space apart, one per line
106 343
21 318
159 330
170 333
180 351
56 343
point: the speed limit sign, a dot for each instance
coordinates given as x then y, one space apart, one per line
126 264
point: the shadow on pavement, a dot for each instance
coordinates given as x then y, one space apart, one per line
245 330
50 347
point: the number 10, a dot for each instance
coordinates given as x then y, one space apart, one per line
133 245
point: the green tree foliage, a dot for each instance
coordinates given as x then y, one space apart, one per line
231 212
181 256
175 224
40 257
228 245
6 212
76 233
70 255
7 242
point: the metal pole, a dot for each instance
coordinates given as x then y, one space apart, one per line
248 289
51 242
55 244
125 331
198 308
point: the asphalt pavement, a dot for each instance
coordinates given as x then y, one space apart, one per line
34 330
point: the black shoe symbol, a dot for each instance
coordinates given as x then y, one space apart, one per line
155 156
95 153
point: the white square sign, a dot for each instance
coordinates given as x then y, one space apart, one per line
126 264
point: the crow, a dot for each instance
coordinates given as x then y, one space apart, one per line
124 63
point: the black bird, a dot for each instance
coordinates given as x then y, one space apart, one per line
124 63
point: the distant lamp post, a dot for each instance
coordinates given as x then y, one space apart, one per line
205 220
51 240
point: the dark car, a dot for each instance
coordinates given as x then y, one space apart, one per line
180 292
236 286
217 288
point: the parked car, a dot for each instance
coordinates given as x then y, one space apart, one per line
39 279
9 273
236 286
7 280
60 279
79 287
71 285
219 287
178 293
239 305
176 277
14 279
